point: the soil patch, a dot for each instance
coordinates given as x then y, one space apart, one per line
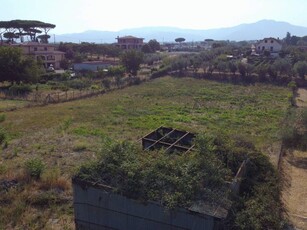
301 99
295 191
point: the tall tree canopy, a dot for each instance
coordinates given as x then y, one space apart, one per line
154 45
19 28
14 68
179 40
132 60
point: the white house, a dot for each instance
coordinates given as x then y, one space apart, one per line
272 45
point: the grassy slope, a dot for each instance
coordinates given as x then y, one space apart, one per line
64 135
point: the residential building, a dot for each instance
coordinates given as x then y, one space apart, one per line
47 53
129 42
272 45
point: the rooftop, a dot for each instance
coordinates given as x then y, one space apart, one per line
129 37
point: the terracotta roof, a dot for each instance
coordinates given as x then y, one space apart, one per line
269 38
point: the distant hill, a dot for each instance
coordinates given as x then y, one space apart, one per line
251 31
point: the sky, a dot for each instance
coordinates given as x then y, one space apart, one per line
74 16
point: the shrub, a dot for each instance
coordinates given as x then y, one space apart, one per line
106 83
64 126
2 135
161 72
2 131
294 131
2 117
34 167
20 89
135 81
78 84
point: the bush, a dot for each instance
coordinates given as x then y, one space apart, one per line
34 167
2 131
54 77
78 84
2 117
20 89
294 131
135 81
2 135
106 83
161 72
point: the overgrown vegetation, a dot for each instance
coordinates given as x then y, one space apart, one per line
179 179
259 204
2 131
34 168
294 132
60 132
15 68
171 179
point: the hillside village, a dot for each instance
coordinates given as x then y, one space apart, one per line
183 135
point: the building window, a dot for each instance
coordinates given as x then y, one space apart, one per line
45 48
35 48
41 58
263 48
266 41
272 41
271 48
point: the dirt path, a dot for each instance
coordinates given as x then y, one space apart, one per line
301 99
294 168
295 192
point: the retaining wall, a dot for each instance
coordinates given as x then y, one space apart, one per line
96 207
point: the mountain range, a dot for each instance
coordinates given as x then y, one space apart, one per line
251 31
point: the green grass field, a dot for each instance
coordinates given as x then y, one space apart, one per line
254 111
6 105
65 135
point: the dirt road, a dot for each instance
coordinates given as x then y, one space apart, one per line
294 168
301 99
295 191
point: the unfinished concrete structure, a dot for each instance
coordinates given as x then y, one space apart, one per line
97 206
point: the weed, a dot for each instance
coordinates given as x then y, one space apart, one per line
66 124
80 146
84 131
34 167
3 169
52 179
2 131
2 117
2 135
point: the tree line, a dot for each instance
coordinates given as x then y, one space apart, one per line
233 58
